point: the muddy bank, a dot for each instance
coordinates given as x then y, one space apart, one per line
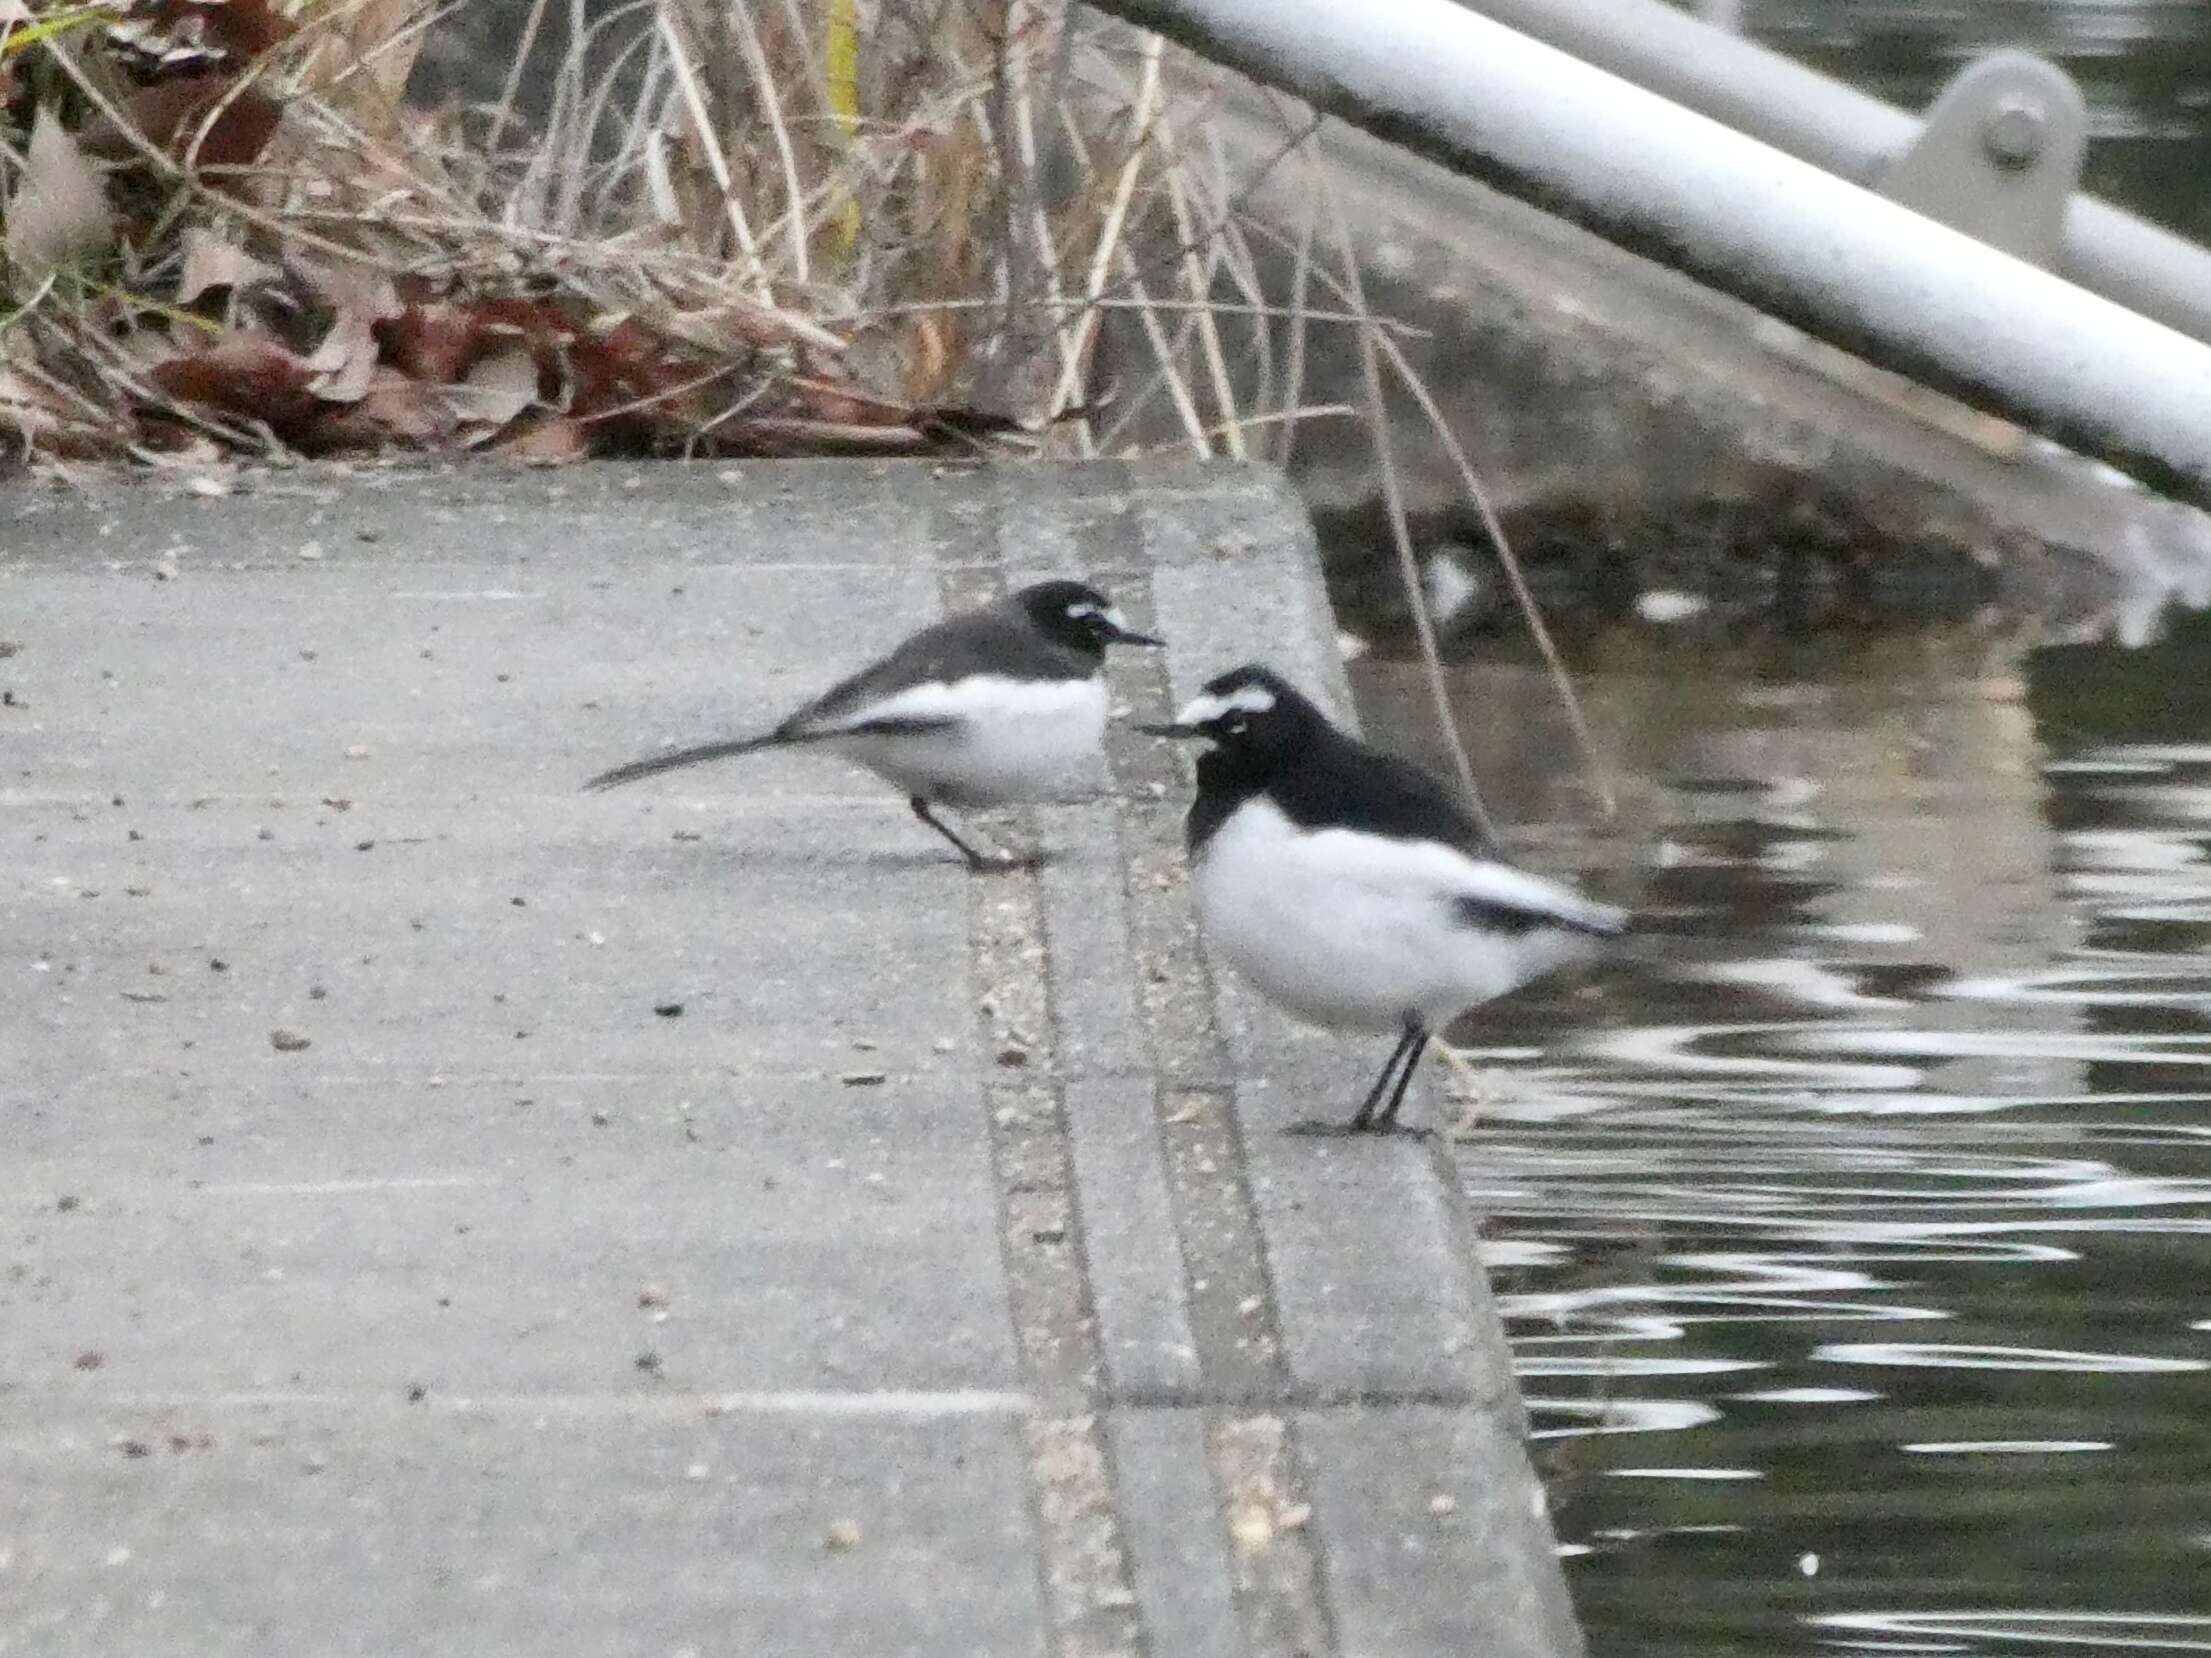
1780 550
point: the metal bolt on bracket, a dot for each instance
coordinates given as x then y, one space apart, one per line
2015 130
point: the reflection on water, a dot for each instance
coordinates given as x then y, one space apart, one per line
1854 1231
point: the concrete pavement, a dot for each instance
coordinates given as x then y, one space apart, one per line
450 1213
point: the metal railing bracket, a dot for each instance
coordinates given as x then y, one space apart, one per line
2000 156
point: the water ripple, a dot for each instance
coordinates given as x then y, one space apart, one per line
1916 1044
2130 1631
2004 1447
1937 1356
1612 1416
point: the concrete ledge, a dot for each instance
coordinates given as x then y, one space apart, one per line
700 1216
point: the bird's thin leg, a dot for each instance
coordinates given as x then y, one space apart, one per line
975 859
1407 1050
1417 1035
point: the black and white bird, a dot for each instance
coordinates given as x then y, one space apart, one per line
985 708
1350 887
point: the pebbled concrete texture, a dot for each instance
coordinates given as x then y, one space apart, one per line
698 1218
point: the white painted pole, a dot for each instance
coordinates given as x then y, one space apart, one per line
1741 84
1838 260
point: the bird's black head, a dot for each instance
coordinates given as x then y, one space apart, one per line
1076 615
1250 714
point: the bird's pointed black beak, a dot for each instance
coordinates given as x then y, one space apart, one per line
1129 636
1171 730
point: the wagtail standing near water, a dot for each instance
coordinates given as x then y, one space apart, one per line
1350 887
986 708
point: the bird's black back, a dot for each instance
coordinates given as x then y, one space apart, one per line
998 639
1331 780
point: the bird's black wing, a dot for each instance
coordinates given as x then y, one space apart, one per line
1346 784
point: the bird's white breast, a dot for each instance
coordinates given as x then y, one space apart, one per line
1006 740
1358 930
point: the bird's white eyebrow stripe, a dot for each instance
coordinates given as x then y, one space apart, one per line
1245 699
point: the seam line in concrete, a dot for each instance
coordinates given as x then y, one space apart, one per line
1276 1582
1083 1562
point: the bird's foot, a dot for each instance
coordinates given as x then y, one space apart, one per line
996 862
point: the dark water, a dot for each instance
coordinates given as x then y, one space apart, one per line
1854 1234
2144 65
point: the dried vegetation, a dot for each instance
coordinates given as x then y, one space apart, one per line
702 229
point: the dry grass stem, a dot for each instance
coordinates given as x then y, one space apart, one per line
1393 498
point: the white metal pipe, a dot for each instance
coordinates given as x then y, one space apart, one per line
1736 81
1836 259
1818 119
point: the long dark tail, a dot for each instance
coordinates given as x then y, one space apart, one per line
653 764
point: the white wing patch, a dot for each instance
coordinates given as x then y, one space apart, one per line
984 698
1389 865
1493 883
1206 708
985 740
1381 864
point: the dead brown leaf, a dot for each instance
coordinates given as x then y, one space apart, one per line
548 441
638 390
549 329
496 390
345 361
248 377
170 115
430 340
211 262
59 212
187 31
364 51
392 410
443 340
